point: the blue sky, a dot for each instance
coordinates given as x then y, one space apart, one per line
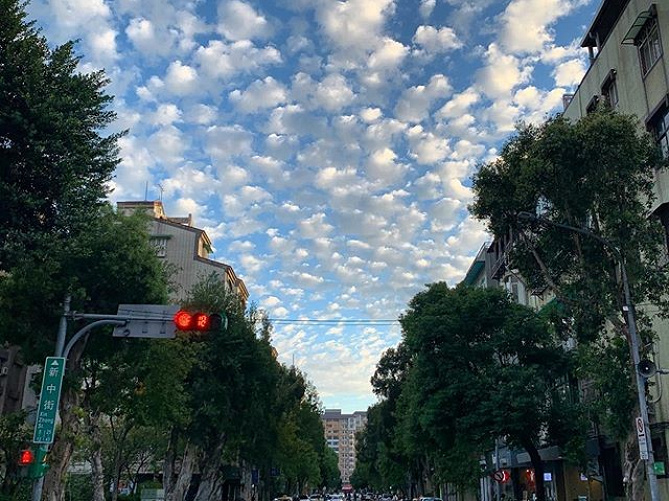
326 146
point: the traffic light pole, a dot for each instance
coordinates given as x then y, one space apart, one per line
38 485
63 351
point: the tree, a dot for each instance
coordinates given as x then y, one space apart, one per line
598 173
483 367
54 162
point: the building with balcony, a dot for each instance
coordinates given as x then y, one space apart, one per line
627 42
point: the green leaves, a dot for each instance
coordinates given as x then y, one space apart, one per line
54 162
596 173
472 366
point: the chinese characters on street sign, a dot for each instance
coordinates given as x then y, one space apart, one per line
45 422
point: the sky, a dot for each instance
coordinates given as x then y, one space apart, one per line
326 146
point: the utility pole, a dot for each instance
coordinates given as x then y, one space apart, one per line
628 309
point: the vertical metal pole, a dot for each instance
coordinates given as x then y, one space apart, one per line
38 485
497 464
62 327
640 383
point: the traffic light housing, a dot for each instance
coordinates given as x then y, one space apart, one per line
200 322
26 457
32 462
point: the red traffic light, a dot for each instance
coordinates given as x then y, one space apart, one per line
187 321
26 457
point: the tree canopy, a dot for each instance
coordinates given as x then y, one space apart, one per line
472 366
55 160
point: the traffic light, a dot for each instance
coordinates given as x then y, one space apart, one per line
200 322
26 457
32 462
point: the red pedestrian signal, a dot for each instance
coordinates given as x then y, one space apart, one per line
26 457
201 322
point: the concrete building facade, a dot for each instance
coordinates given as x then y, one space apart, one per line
340 430
627 44
186 247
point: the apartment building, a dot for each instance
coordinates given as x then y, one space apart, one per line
628 45
340 430
626 42
186 247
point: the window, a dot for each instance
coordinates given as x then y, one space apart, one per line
661 130
160 244
592 105
610 90
663 213
658 125
648 41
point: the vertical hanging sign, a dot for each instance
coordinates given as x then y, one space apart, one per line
52 382
643 439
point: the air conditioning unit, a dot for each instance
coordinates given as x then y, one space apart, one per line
4 370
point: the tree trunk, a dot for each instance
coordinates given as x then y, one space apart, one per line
633 470
63 446
210 479
538 466
118 459
176 488
98 475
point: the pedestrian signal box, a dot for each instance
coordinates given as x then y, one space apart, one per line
26 457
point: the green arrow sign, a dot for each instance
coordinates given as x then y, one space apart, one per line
52 382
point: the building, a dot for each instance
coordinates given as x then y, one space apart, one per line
626 42
340 430
628 45
186 247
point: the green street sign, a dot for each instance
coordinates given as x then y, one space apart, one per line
52 382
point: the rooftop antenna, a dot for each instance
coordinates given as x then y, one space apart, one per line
160 187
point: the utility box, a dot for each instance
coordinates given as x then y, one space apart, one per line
153 495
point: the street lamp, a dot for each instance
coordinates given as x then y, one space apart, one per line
628 308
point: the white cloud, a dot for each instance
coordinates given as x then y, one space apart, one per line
426 147
221 60
181 79
224 142
435 41
426 8
371 114
166 114
239 21
261 94
354 24
76 13
415 103
389 55
501 73
569 73
332 93
459 104
526 24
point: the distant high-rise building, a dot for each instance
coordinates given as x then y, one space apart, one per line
340 430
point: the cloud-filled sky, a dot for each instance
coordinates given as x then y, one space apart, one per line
326 146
